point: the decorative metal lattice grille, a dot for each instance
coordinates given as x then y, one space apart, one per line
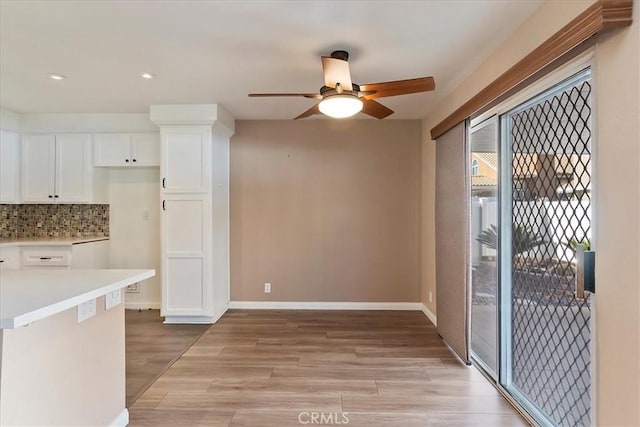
551 211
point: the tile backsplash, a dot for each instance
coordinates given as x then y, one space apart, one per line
60 220
9 221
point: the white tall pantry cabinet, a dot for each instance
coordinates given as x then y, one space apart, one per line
194 171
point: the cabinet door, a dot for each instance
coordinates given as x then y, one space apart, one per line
72 168
9 167
112 149
145 149
38 163
186 162
186 278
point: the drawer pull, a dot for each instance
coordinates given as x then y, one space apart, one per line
45 258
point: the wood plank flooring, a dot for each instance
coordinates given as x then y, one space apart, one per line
282 368
151 347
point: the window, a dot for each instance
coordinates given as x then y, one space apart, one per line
474 167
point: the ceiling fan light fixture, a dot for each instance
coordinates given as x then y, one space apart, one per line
340 106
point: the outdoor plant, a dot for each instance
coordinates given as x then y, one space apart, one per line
585 243
522 237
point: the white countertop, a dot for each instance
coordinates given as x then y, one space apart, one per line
30 295
52 241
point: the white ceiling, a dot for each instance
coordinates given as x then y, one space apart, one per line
219 51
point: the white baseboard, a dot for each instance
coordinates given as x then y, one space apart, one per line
299 305
430 315
142 305
217 316
196 320
121 420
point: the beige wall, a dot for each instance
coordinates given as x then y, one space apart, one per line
326 210
58 372
617 165
616 219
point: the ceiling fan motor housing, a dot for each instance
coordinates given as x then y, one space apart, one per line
340 54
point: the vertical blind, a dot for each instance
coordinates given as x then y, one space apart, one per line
452 240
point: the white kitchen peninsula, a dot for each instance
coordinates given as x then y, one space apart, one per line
55 369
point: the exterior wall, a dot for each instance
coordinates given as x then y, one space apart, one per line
326 211
484 169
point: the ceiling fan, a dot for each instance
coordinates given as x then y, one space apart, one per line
340 97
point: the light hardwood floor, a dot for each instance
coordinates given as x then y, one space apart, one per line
152 347
282 368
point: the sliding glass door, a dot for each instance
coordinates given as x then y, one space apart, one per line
545 328
532 263
484 263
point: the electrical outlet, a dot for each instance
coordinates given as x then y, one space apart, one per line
267 288
133 288
86 310
430 297
112 299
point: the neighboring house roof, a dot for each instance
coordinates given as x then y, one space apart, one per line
483 181
491 159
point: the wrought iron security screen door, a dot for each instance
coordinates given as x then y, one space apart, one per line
546 334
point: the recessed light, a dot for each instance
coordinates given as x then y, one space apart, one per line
147 75
56 76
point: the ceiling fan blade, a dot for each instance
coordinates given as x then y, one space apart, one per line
305 95
375 109
336 71
310 112
399 87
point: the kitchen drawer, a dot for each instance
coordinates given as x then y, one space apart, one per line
46 257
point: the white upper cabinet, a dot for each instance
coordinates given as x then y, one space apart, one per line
186 160
112 149
38 168
9 166
72 179
127 149
145 149
55 168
